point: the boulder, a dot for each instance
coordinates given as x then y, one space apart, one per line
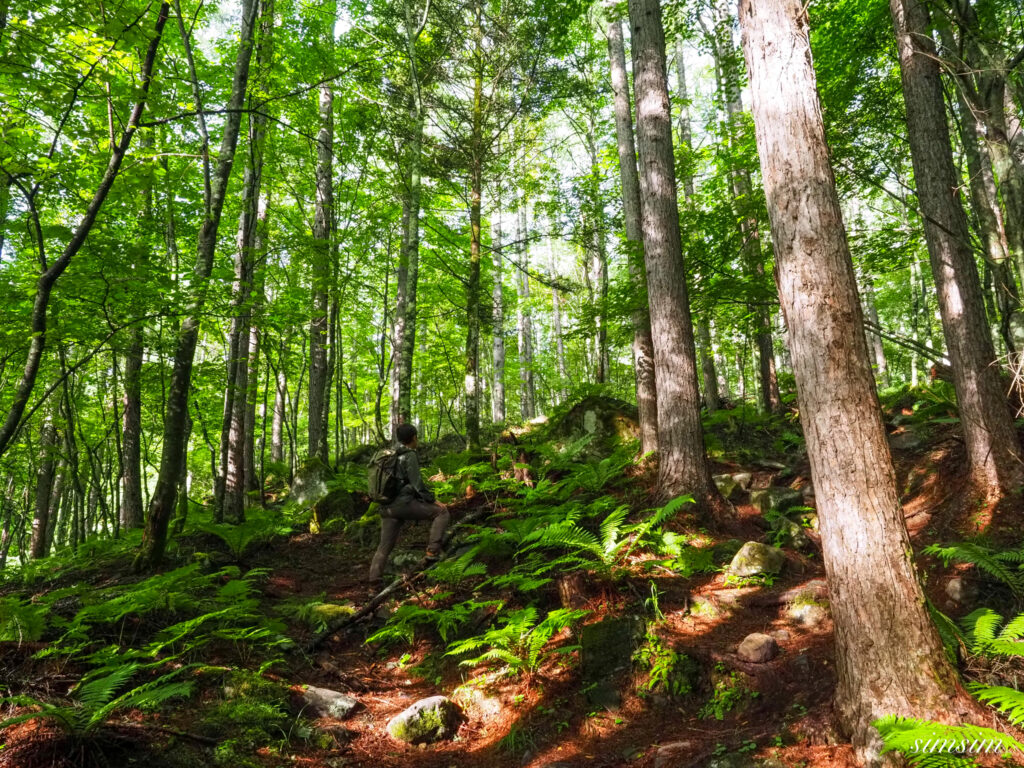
906 440
426 721
789 534
743 479
608 421
758 648
310 481
673 754
728 487
961 590
755 558
775 500
807 613
323 702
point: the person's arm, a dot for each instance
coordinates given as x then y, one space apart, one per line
414 479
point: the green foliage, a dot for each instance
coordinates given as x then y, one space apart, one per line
21 621
982 632
407 618
315 612
729 691
1005 566
254 713
519 645
96 698
935 745
667 670
240 539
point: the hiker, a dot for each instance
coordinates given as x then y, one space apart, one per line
412 500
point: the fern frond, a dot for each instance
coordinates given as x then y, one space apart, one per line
936 745
995 564
1007 700
611 529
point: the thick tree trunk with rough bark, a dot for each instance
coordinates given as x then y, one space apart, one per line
682 462
161 506
131 434
888 655
993 451
643 352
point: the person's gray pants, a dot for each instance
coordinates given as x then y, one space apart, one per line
391 519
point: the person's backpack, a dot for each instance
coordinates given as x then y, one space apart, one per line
384 478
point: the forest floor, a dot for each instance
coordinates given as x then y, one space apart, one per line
776 713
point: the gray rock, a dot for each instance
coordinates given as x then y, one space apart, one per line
755 558
960 590
807 614
310 482
802 665
426 721
323 702
775 499
732 760
806 519
673 754
758 648
906 440
789 534
743 479
727 486
807 492
781 635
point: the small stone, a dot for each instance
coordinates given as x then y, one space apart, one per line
774 499
755 558
743 479
758 648
790 534
672 754
906 440
428 720
727 486
781 635
323 702
807 614
802 665
960 590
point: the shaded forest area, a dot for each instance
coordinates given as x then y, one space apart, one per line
708 316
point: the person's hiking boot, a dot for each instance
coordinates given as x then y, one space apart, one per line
429 559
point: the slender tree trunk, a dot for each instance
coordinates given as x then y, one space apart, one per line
683 465
472 379
40 544
498 332
323 256
556 310
524 316
993 450
888 655
598 255
712 401
277 422
875 339
131 499
643 352
49 277
171 466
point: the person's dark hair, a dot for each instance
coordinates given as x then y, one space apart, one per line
406 433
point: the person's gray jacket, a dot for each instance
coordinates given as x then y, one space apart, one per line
414 488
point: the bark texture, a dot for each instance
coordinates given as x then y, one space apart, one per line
683 465
889 656
993 450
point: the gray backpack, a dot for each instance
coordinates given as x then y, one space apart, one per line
384 478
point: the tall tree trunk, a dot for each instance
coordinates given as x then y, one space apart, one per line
278 419
472 379
323 251
49 277
712 400
556 319
235 465
889 656
683 464
40 544
161 506
409 256
131 499
524 316
874 338
993 450
498 320
750 237
643 352
598 254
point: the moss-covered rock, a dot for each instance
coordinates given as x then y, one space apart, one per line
775 500
426 721
755 558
